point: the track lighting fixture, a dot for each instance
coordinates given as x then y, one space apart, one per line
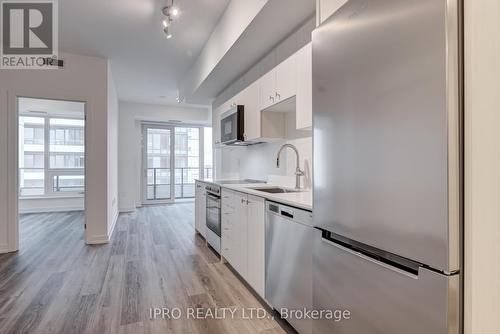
170 12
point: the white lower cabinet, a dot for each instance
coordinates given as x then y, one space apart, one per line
256 244
243 239
200 205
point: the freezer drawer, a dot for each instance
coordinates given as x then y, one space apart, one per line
381 299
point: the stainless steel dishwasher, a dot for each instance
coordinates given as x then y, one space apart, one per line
289 242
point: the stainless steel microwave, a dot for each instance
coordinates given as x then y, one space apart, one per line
232 131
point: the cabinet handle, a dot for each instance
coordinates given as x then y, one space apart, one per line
242 201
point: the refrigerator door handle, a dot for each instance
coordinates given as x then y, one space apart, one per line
401 271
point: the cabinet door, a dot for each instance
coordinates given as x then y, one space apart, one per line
216 125
286 79
267 89
304 88
250 99
240 234
256 244
200 204
228 219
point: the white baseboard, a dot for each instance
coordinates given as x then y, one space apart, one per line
97 239
131 209
113 224
46 210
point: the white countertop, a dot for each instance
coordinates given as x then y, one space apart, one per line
302 199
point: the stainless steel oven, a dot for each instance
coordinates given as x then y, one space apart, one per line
213 222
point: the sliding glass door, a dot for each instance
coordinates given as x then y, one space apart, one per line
174 156
187 160
157 163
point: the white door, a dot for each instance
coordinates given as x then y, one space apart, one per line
157 164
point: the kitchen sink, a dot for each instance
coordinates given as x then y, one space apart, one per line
276 190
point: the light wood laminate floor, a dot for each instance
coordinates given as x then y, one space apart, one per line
57 284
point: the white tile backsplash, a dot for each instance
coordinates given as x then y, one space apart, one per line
259 161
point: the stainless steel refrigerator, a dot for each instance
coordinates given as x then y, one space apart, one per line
388 167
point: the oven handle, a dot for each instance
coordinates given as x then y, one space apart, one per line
215 199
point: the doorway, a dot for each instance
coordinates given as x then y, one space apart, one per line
173 157
51 165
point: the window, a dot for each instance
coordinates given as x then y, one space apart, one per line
187 160
169 175
208 169
54 166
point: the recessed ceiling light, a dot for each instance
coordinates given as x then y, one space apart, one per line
174 11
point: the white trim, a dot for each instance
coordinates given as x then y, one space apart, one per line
13 159
12 172
130 209
113 224
97 239
48 210
35 197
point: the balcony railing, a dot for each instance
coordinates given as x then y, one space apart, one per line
184 186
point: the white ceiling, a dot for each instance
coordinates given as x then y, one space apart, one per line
144 63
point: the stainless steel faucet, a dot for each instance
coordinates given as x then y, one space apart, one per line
298 171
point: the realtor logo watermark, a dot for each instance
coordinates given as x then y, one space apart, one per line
29 34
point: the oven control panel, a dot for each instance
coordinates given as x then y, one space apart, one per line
213 189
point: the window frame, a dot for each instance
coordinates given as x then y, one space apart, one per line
49 172
173 127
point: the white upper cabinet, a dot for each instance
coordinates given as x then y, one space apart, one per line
216 126
304 88
267 88
286 79
264 113
328 7
278 84
249 98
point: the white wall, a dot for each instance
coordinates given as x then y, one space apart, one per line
112 151
259 161
130 157
82 79
482 166
45 204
